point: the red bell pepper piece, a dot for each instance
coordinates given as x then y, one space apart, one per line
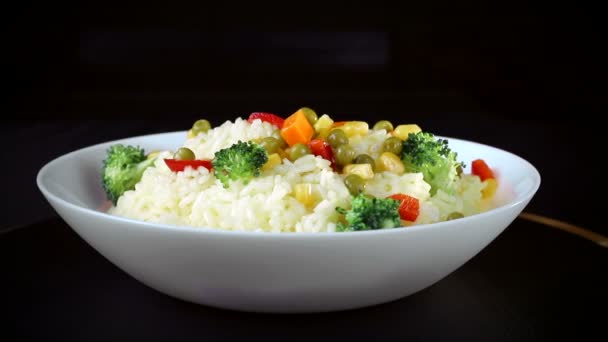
180 165
409 209
481 169
320 147
267 117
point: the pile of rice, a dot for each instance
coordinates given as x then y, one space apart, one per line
267 203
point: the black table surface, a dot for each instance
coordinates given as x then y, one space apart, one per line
531 283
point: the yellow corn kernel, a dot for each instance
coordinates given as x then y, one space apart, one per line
364 171
490 188
323 126
273 160
402 131
191 134
282 153
303 192
153 154
406 223
353 128
388 161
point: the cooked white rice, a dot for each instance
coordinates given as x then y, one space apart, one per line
267 203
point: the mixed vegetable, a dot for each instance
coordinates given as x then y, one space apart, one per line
241 161
422 152
122 169
406 148
367 213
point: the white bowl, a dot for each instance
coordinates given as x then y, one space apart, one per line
280 272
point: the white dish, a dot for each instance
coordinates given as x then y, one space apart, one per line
280 272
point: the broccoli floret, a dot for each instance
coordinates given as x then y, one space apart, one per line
122 169
242 160
422 152
368 213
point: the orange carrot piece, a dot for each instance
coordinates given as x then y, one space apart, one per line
296 129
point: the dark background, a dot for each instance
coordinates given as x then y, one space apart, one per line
520 60
519 75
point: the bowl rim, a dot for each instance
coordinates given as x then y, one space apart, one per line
526 196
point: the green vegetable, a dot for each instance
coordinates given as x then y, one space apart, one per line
384 124
393 145
241 161
365 159
122 169
277 135
454 215
355 184
184 153
370 213
422 152
310 115
344 154
201 126
459 170
270 144
337 137
298 151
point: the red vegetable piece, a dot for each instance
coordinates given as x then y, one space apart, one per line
320 147
409 209
180 165
481 169
267 117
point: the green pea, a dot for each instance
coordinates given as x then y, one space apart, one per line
270 144
201 126
385 125
184 153
393 145
454 215
277 135
298 151
354 183
365 159
337 137
344 154
310 115
459 170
